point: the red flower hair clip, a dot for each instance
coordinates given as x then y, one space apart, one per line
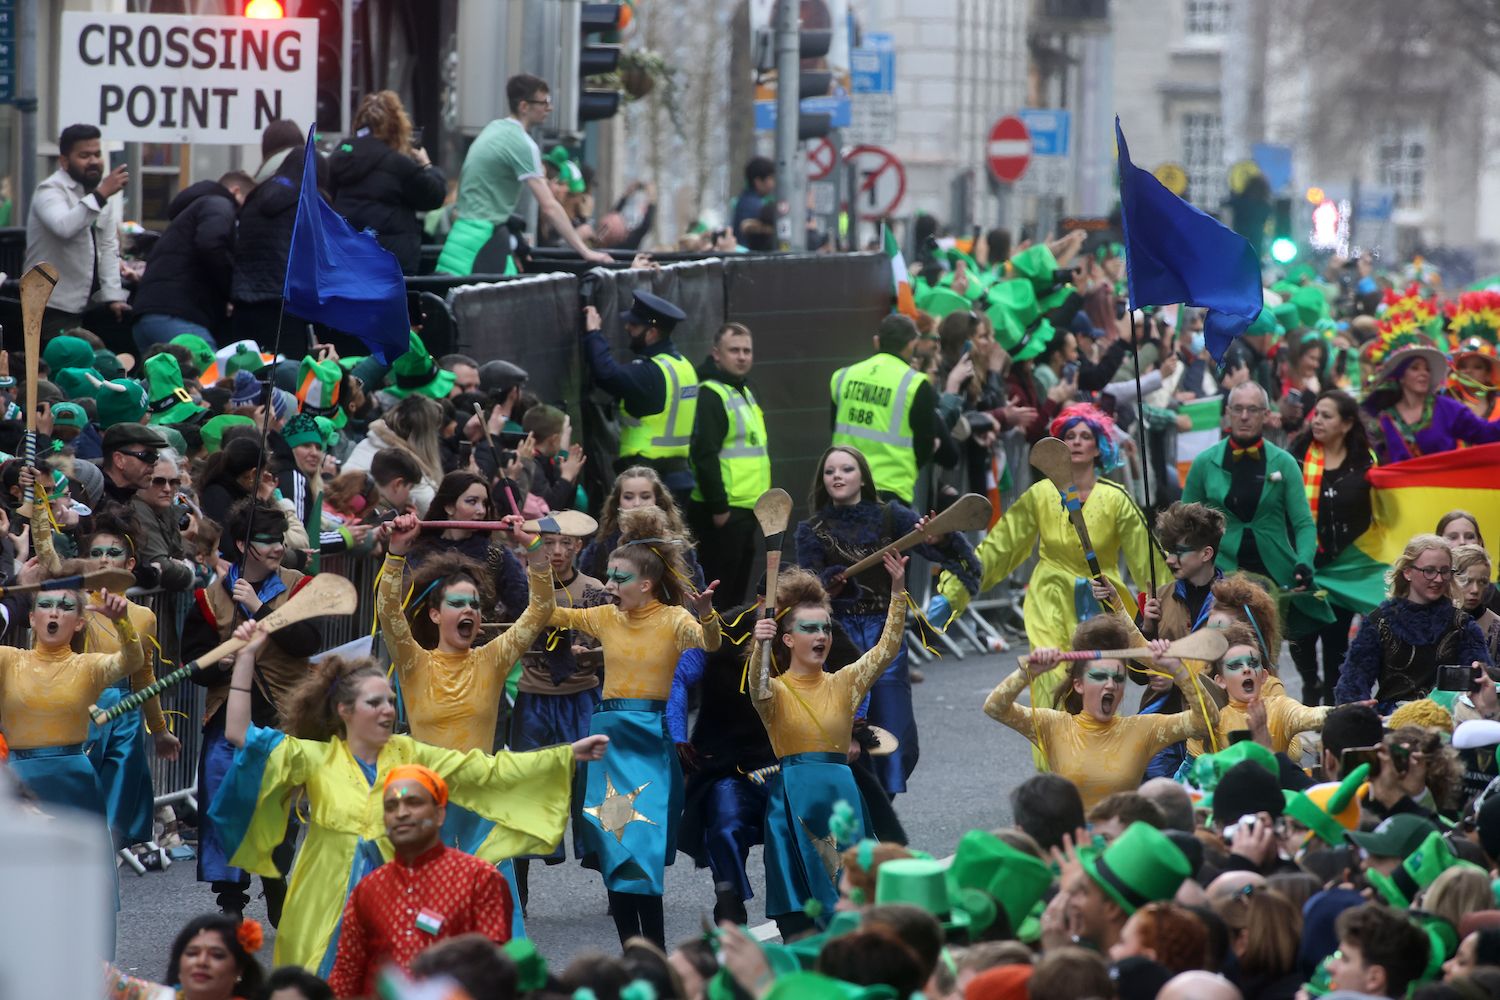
251 935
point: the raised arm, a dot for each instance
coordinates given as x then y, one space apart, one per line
110 667
1201 718
237 708
761 694
866 670
41 526
1004 548
517 639
405 652
1001 705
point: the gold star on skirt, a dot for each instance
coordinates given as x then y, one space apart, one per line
617 811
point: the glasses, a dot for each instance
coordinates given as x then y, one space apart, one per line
460 602
149 457
160 481
1245 411
616 576
56 603
545 102
815 628
1240 663
1105 676
1435 572
106 552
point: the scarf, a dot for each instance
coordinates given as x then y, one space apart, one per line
1408 432
1312 480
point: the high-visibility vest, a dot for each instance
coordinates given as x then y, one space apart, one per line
873 400
744 462
668 432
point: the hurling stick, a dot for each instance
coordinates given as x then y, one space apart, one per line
36 289
1205 644
772 511
116 581
560 522
325 595
1050 457
969 512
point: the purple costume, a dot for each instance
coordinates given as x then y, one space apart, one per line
1452 422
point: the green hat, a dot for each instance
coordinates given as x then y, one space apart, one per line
1442 941
214 428
1320 819
108 364
329 431
1311 303
1208 768
416 371
317 390
939 302
69 415
1396 837
1299 274
1265 324
125 405
1037 265
1012 309
1321 982
922 883
302 429
531 967
175 440
77 383
244 358
1034 341
170 402
68 352
1141 866
1417 871
805 949
1015 879
1288 316
201 350
815 986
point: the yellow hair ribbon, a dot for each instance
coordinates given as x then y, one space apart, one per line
167 716
1197 684
745 670
922 620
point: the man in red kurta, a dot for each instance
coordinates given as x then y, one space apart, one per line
427 893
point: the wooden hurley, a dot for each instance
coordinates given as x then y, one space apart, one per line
36 290
325 595
773 510
116 581
562 522
1205 644
969 512
1050 457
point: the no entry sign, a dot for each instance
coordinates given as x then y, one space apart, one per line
1008 150
820 159
880 181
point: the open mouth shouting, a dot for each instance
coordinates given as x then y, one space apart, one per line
1107 703
1248 686
467 626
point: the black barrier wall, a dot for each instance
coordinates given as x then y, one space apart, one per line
810 315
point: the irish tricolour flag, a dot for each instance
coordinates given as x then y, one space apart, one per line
1205 415
901 281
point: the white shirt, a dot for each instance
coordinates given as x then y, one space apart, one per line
67 228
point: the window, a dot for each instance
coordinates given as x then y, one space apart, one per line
1207 17
1401 162
1203 157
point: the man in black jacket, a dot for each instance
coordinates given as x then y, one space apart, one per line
186 285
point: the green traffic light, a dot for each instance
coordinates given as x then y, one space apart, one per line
1283 250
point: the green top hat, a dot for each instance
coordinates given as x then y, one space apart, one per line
1311 303
416 371
78 383
318 390
1417 872
302 429
1037 265
68 352
201 350
1015 879
214 428
814 986
1140 867
170 402
1208 768
923 882
1319 819
125 405
939 302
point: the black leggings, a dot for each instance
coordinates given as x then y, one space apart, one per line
637 915
1335 640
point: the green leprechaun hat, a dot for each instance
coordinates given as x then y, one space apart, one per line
1208 768
123 404
1442 942
1417 871
1324 819
169 401
939 302
1037 265
201 350
1288 317
1141 866
1014 879
923 882
318 390
417 371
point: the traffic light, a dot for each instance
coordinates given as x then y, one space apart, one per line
1284 245
330 17
813 80
598 59
267 10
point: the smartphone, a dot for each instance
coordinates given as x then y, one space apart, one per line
1352 757
1457 677
1070 371
465 450
416 137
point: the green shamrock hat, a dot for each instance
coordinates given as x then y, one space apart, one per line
318 390
214 428
169 401
1015 879
78 383
942 301
1417 872
417 371
245 358
123 405
302 429
201 350
1141 866
68 352
1322 819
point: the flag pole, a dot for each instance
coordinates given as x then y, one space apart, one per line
1140 422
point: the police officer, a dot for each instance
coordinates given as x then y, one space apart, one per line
731 465
888 410
657 392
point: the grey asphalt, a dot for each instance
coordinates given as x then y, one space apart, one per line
968 766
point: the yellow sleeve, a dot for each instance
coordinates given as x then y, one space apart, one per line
525 796
1007 545
41 538
110 667
517 639
594 621
1001 706
690 633
406 653
1201 718
866 670
156 722
1141 550
1286 717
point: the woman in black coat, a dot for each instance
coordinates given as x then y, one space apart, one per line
261 246
381 181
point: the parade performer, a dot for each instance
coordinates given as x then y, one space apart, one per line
1401 644
633 800
463 496
849 523
1414 419
1081 736
638 486
338 748
1060 592
809 715
1474 342
1242 676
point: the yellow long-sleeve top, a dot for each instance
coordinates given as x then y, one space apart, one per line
453 699
45 693
103 637
641 647
816 714
1099 757
1285 718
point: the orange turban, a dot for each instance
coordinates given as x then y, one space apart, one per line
424 776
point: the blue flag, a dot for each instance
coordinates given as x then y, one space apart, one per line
343 278
1175 253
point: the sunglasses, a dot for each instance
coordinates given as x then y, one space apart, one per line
160 481
460 602
616 576
103 552
815 628
56 603
149 457
1239 663
1104 676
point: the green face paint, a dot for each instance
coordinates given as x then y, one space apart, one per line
461 601
1104 676
1240 663
618 577
56 603
106 552
815 628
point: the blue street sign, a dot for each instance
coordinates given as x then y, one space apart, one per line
1275 162
1050 128
1377 205
837 106
873 65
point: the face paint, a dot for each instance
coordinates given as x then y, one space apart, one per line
460 602
1104 676
618 577
57 603
815 628
106 552
1240 663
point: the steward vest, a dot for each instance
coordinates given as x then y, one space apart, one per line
873 413
668 432
744 463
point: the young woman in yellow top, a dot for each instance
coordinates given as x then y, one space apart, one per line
1251 703
809 715
1082 737
633 799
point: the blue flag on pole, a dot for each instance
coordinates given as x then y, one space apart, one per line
343 278
1175 253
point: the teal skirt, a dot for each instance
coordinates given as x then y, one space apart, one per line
632 798
60 776
803 859
118 752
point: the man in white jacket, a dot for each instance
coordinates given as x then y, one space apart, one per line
74 224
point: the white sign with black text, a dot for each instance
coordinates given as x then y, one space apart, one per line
164 78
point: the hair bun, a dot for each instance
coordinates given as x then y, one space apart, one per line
646 522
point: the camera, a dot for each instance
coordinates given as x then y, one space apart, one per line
1352 757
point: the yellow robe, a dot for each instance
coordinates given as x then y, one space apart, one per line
453 699
1099 757
641 647
45 693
